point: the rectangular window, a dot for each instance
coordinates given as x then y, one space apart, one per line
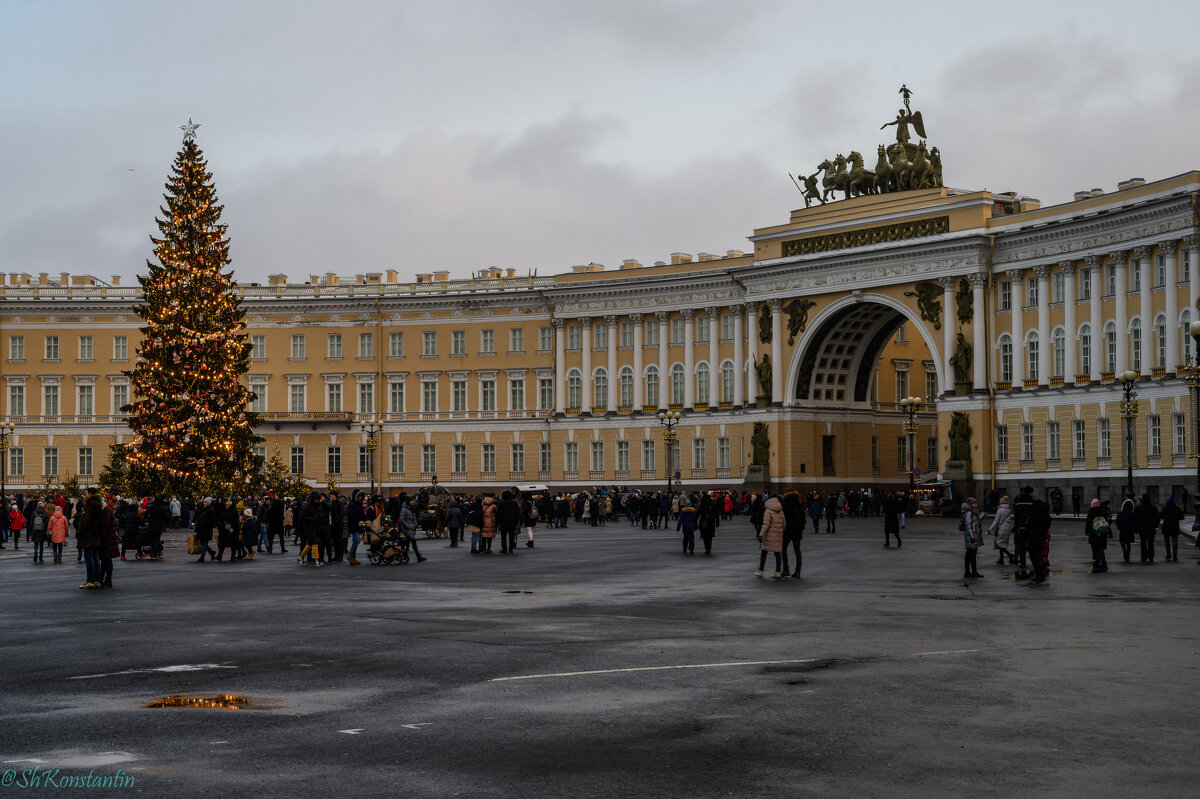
50 401
1160 270
1105 435
902 333
574 337
257 405
459 453
571 457
487 342
901 385
1110 280
120 397
396 397
1004 295
16 461
698 453
545 393
1079 434
16 348
676 331
651 332
333 460
429 396
1185 265
625 334
545 339
600 336
458 392
723 452
930 387
86 405
258 347
298 347
516 340
902 454
85 461
428 458
622 457
16 399
366 398
1059 283
1154 428
395 345
1053 441
366 460
1031 292
1180 435
297 460
397 457
260 451
516 394
702 329
333 397
931 454
517 458
1001 443
1026 442
335 347
544 456
648 455
726 327
120 348
1135 275
597 456
50 462
51 348
87 351
458 342
296 397
429 343
366 345
487 396
1085 284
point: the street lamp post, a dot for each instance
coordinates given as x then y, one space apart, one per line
668 419
1191 374
371 429
1129 409
910 405
6 431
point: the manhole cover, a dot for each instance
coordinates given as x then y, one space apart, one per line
221 701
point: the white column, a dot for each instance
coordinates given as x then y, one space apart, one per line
1045 350
1069 321
664 377
739 355
636 319
613 383
585 401
750 376
948 317
560 366
979 337
1016 278
1172 305
777 365
1095 318
714 358
1120 261
1193 245
1146 309
689 358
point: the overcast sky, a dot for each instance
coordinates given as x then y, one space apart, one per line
360 136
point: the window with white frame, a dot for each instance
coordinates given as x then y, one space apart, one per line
296 460
1154 430
429 343
487 342
574 389
1006 359
726 327
647 454
698 453
120 398
702 329
366 460
85 461
727 378
334 347
622 457
366 397
16 399
651 333
366 345
50 400
902 333
428 458
1160 270
545 393
702 376
574 337
1185 264
1085 284
333 397
516 394
930 386
50 461
458 454
16 461
51 349
397 458
902 454
626 388
931 454
1026 442
1104 437
544 456
1185 324
395 396
652 386
875 452
1058 282
571 457
676 330
600 336
1135 345
1001 443
258 404
120 348
1110 347
901 384
16 348
1059 341
1110 280
545 339
516 339
1085 349
1031 292
1180 425
1135 275
487 395
1160 341
723 452
87 351
677 380
395 344
1004 295
298 347
85 402
1079 434
517 457
1053 441
296 397
625 334
600 388
1032 344
258 348
458 395
487 457
333 460
597 455
429 391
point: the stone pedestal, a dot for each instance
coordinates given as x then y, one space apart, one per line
758 477
762 402
956 470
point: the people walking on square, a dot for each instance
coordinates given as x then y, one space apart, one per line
687 524
407 520
772 536
891 521
815 509
89 532
1171 516
1038 543
1098 529
488 527
1145 522
793 528
708 517
972 530
833 507
1022 510
454 521
1126 529
508 517
37 530
757 509
110 547
58 534
16 523
1002 526
205 523
529 519
313 525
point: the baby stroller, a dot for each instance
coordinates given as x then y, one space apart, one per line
387 546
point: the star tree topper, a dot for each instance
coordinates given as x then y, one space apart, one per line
189 130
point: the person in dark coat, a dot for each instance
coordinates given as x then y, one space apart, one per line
336 548
1022 511
274 519
793 528
1098 530
1125 528
687 525
708 517
508 516
205 521
158 516
229 530
1145 524
314 525
891 521
1171 516
89 532
110 547
356 519
1038 542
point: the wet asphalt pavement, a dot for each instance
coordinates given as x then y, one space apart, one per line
605 663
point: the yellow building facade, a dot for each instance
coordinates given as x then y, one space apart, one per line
1009 320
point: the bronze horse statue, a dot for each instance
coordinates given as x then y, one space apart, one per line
922 170
862 181
885 176
898 156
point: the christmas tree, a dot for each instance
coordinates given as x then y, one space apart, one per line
192 433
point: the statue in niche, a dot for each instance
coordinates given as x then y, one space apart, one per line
929 302
764 324
761 442
797 311
965 302
960 437
961 361
764 376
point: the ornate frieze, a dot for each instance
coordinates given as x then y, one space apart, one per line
900 231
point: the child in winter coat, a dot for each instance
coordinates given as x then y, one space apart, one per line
58 534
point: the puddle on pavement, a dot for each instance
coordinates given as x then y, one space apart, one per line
219 701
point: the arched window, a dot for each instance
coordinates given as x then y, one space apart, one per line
626 386
574 389
1160 340
1135 345
652 386
600 388
677 378
1060 351
727 378
1185 325
1031 345
1006 359
1110 347
1085 349
702 383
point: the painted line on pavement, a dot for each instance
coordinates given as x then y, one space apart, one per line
729 664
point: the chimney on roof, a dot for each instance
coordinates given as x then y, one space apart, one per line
1082 195
1097 192
630 263
392 275
116 280
1132 183
441 276
681 258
